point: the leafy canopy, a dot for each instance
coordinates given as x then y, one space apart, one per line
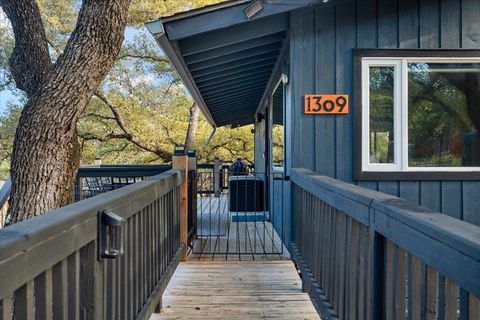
142 86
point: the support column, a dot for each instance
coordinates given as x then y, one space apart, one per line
217 185
180 162
192 199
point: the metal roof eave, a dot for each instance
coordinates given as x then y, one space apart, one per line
168 31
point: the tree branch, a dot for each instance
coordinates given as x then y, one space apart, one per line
30 61
95 115
129 135
123 56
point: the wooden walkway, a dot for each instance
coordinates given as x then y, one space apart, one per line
236 290
225 235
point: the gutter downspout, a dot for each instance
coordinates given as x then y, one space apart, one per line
211 135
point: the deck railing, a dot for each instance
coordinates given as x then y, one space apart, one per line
95 180
50 266
219 172
4 195
368 255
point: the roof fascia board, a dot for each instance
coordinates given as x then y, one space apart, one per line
230 14
203 10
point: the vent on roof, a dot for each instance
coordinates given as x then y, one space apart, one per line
253 9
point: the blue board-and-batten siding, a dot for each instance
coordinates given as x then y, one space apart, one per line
321 58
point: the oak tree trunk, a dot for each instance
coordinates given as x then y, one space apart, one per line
192 127
45 155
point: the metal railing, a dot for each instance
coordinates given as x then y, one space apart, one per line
368 255
208 185
4 195
95 180
50 266
241 219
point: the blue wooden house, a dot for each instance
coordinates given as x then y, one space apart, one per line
365 190
376 93
247 67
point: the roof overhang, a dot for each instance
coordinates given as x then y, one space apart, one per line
225 59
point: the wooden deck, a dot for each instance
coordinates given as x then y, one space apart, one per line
236 290
221 238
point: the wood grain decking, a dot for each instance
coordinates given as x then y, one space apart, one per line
220 238
236 290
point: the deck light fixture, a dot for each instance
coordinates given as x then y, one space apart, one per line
253 9
110 235
179 151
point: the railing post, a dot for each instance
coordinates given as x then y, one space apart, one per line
217 187
180 161
377 271
192 195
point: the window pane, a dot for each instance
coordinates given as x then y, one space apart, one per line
381 114
443 114
277 127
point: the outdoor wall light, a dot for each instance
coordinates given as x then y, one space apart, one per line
253 9
286 74
260 117
110 235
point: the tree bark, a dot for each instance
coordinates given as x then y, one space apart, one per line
470 86
30 61
45 155
192 127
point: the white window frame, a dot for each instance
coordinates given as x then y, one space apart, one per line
400 163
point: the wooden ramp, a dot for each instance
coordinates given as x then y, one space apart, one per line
236 290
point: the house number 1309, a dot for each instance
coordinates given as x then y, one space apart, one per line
326 104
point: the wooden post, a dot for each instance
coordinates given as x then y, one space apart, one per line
377 244
192 167
217 186
180 162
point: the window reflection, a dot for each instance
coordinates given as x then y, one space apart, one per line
381 114
443 114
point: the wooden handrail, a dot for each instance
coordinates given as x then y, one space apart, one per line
396 228
62 244
122 170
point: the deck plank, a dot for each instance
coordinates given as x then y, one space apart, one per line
236 290
242 240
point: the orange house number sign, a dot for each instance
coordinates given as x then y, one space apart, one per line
326 104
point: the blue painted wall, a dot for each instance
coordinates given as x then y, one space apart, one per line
321 58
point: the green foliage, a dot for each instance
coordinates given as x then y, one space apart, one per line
278 144
142 86
59 19
8 124
6 47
